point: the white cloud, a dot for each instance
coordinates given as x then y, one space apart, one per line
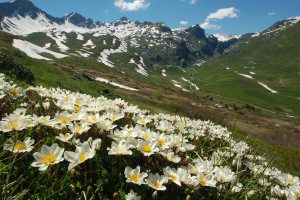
223 13
134 5
271 13
193 2
208 25
220 14
183 22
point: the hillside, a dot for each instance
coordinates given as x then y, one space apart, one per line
155 67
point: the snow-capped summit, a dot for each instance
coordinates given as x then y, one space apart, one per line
223 38
79 20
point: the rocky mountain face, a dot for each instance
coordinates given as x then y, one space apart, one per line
156 42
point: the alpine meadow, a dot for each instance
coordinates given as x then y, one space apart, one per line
128 108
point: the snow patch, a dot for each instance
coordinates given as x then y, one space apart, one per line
224 38
79 36
115 84
246 75
88 43
140 67
191 84
33 50
47 45
177 84
266 87
103 58
59 39
163 72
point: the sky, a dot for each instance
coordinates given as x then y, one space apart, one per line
216 16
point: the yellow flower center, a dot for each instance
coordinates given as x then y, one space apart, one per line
106 127
78 102
147 148
146 136
13 125
77 109
64 120
193 170
94 118
20 146
142 121
79 128
113 117
13 91
156 184
290 180
67 97
173 177
161 141
66 137
82 157
203 181
134 177
224 178
49 158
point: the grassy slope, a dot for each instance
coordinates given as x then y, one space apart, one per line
275 60
68 73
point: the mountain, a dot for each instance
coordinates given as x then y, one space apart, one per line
155 42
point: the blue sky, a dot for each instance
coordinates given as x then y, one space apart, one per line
217 16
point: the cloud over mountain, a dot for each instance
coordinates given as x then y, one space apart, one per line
134 5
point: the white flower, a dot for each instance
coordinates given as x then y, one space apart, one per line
224 174
173 174
63 119
19 146
237 188
64 137
156 181
171 156
81 154
143 120
134 175
106 125
288 179
120 148
48 156
147 147
79 128
206 180
163 141
132 196
46 105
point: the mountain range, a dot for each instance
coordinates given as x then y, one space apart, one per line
156 42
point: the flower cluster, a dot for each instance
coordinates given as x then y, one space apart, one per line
166 149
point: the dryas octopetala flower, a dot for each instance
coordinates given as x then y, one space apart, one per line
147 147
63 119
77 128
134 175
64 137
120 148
48 156
224 174
206 180
173 174
156 181
171 156
12 124
19 146
106 125
132 196
82 153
